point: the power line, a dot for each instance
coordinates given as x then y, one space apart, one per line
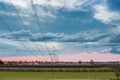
3 22
39 25
22 23
41 30
53 60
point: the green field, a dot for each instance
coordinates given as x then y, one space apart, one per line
59 75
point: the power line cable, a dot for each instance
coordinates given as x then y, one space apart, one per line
53 60
4 8
41 30
22 23
39 25
3 22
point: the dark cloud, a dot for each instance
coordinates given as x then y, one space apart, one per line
47 36
26 35
115 50
115 39
15 35
113 43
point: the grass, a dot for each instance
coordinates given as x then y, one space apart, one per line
59 75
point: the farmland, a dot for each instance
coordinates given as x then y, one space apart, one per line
60 72
61 68
57 75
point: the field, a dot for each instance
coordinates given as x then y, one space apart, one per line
61 72
56 75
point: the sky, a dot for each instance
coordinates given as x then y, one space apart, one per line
69 30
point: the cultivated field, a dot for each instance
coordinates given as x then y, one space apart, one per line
57 75
60 72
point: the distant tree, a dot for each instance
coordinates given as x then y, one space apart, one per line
20 62
91 61
1 62
36 61
79 61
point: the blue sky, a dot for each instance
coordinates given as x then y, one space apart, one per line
68 28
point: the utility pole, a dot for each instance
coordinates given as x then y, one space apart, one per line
53 59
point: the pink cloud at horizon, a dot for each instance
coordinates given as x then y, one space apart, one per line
94 57
74 58
22 59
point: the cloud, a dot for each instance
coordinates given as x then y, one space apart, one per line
18 3
97 57
8 42
15 35
103 14
83 41
47 36
116 29
115 50
108 13
115 39
68 5
10 48
27 35
7 13
113 42
24 8
47 9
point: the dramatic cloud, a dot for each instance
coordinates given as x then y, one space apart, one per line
25 10
115 39
82 40
46 9
66 27
26 35
22 35
115 50
19 3
70 5
105 15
